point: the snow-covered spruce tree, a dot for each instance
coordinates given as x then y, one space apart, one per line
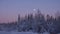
30 22
57 25
50 24
26 23
40 21
18 23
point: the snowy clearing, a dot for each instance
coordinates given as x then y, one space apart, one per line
4 32
16 32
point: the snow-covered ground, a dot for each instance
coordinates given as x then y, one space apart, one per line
16 32
4 32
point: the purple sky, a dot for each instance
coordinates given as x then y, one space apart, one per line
9 9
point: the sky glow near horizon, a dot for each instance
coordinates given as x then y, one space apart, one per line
9 9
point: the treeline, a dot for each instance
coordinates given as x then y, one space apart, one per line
35 23
39 23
